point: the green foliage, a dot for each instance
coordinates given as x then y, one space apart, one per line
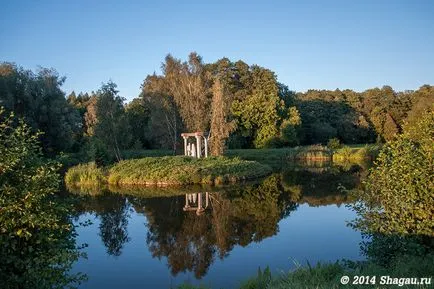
221 127
178 170
137 154
347 153
321 276
112 126
398 195
36 236
262 280
334 144
38 99
95 150
260 110
85 174
138 115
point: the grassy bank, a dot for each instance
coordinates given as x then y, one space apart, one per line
86 175
328 276
167 171
278 158
282 154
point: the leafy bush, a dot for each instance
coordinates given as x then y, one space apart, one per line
334 144
398 195
36 236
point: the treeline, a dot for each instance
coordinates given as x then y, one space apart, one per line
241 105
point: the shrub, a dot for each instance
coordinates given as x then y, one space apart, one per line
398 195
36 236
334 144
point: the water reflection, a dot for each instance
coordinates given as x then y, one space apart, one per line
113 212
194 202
195 228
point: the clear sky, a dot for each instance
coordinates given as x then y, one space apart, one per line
309 44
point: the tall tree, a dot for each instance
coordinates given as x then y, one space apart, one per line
221 126
165 122
138 115
260 111
38 98
289 129
190 85
111 123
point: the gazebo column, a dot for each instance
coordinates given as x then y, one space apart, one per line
185 146
193 150
206 199
206 146
198 147
199 203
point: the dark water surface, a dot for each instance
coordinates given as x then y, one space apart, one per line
220 237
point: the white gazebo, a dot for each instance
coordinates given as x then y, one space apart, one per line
195 202
195 144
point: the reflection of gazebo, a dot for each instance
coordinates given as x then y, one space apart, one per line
195 144
194 202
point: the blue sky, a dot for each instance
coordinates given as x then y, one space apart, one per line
309 44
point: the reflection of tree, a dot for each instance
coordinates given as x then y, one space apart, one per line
192 239
257 210
113 227
238 216
321 188
113 212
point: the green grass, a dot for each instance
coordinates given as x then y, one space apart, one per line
85 174
168 171
279 158
356 153
138 154
328 276
181 170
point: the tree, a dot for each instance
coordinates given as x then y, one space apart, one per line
165 122
259 112
138 115
38 98
190 85
111 123
398 195
36 235
221 127
289 127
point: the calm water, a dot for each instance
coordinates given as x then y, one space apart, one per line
218 237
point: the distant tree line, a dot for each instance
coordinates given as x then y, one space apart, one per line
241 105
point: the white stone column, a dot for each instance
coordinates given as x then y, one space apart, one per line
185 146
206 199
206 146
199 202
198 147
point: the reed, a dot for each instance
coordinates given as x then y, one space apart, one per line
85 174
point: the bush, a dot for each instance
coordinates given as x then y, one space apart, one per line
398 195
36 236
334 144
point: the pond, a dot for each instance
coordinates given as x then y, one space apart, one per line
141 239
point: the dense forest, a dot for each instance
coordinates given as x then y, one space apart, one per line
241 105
